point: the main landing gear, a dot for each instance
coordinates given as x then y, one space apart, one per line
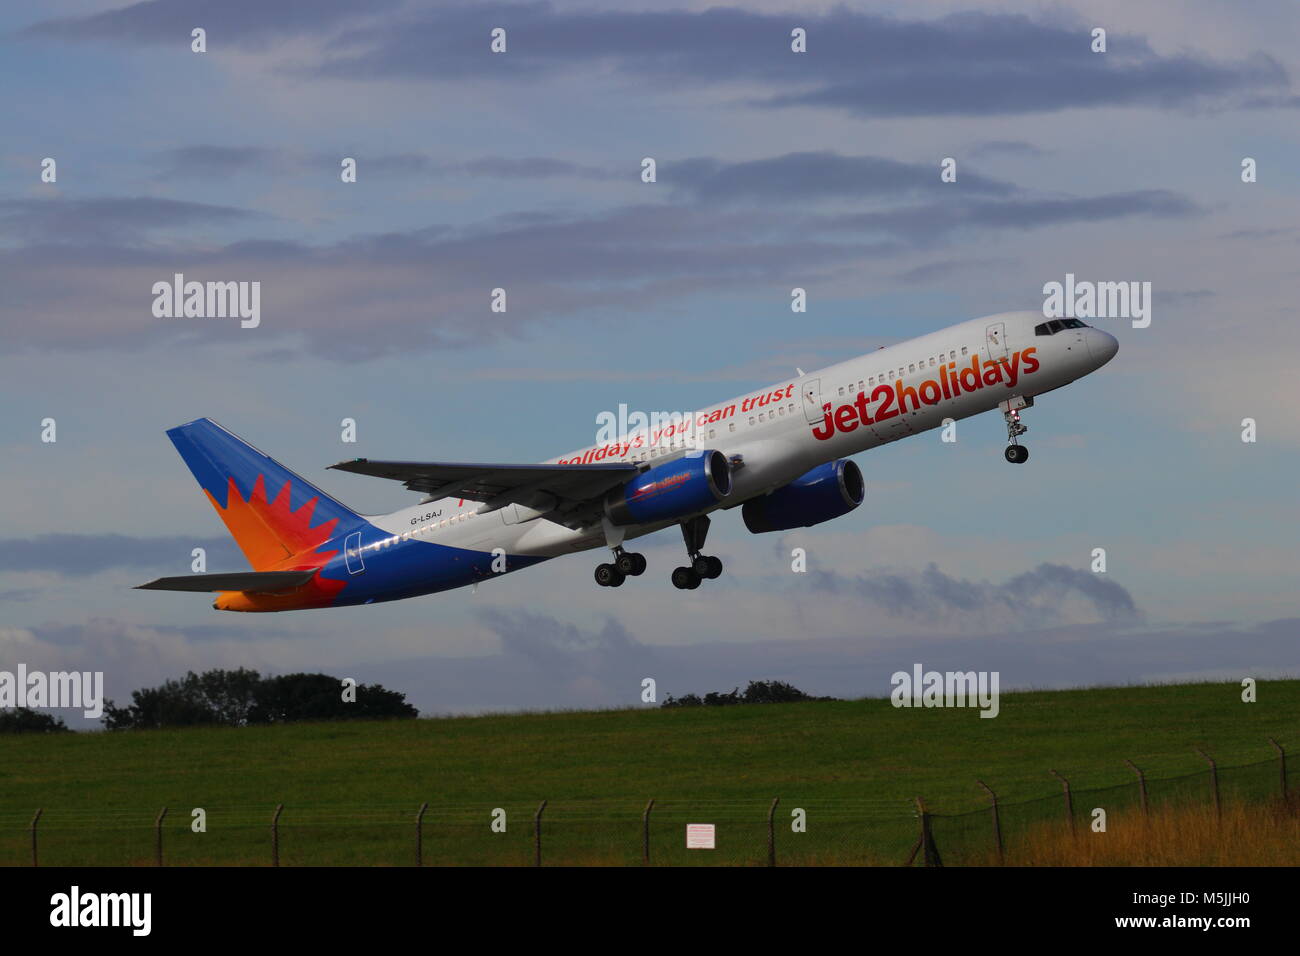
626 564
1016 453
629 564
702 566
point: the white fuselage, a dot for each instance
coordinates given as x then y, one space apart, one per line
780 432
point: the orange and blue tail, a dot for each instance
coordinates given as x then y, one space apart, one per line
273 514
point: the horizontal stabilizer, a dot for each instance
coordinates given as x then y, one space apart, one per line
252 582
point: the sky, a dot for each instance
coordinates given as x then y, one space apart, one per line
522 170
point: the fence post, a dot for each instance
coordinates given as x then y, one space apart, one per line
930 851
1069 800
35 820
997 822
1214 782
419 834
645 833
157 826
537 835
1142 785
771 832
1281 759
275 835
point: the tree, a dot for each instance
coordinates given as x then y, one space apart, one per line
214 697
758 692
320 697
241 697
24 720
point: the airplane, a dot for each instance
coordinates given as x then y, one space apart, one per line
780 454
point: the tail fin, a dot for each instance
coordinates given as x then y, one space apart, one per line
272 513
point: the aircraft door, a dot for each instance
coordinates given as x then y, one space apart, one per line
352 553
812 400
995 338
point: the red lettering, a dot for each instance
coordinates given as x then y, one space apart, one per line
846 418
885 395
860 403
903 392
826 423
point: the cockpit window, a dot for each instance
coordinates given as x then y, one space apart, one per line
1057 325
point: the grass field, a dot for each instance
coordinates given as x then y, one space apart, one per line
351 790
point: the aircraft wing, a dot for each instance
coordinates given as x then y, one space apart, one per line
253 582
544 487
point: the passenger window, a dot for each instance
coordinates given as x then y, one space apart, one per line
963 350
731 426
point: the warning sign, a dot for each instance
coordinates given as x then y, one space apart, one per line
699 836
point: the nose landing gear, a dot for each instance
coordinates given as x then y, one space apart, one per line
1016 453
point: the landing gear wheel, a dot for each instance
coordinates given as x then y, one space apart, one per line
707 566
630 564
1016 453
685 579
608 576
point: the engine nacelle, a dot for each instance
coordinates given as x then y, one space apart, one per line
672 490
826 492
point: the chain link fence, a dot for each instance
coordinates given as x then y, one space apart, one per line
624 832
1006 830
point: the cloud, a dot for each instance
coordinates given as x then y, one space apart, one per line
1007 147
130 656
930 222
107 220
433 281
797 177
379 294
555 648
243 22
932 272
1020 84
1049 595
842 665
205 162
78 555
972 64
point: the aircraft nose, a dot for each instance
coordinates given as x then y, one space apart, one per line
1102 346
